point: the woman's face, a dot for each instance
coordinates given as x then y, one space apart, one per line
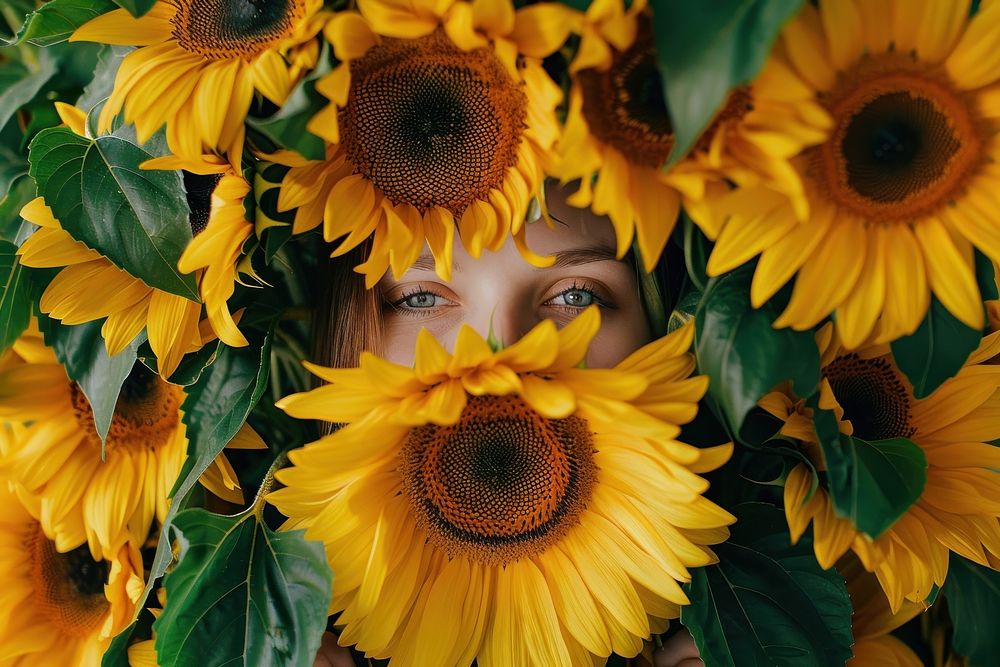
502 290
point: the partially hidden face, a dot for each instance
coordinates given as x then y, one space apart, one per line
502 293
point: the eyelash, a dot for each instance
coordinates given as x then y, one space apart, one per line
587 287
397 304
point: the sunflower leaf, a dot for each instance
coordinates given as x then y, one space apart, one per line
15 305
986 277
21 81
973 594
888 478
767 601
81 351
56 20
705 49
743 356
136 7
136 218
872 483
242 594
936 351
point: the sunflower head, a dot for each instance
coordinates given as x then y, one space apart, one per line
437 120
223 29
496 473
60 605
873 402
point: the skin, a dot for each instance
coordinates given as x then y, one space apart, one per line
503 292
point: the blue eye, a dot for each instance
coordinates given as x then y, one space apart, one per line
419 300
576 298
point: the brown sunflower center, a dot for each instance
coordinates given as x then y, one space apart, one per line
68 588
146 414
501 484
904 144
221 29
199 188
431 125
873 396
624 105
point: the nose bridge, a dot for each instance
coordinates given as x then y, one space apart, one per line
506 317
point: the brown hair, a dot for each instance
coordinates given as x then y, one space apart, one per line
349 319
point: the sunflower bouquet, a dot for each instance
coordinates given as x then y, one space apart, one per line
250 415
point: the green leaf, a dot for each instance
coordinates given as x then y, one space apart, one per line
985 277
287 126
768 602
872 483
136 218
56 20
936 351
973 594
80 349
136 7
704 49
15 305
215 409
890 476
743 356
242 594
697 248
21 83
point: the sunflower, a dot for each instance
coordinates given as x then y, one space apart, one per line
220 228
904 186
506 506
90 287
198 65
59 607
959 507
54 454
873 620
436 117
618 134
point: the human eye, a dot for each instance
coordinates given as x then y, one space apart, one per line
418 300
579 296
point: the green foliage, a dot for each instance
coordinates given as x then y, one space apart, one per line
242 594
136 218
22 80
704 49
81 350
136 7
973 594
216 407
15 304
872 483
56 20
286 127
768 602
936 351
985 277
743 356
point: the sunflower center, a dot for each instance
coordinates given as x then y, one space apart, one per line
222 29
873 396
68 588
431 125
905 142
199 188
146 414
624 106
501 484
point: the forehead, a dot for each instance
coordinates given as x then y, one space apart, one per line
573 228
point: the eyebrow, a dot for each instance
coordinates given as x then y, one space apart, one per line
573 257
